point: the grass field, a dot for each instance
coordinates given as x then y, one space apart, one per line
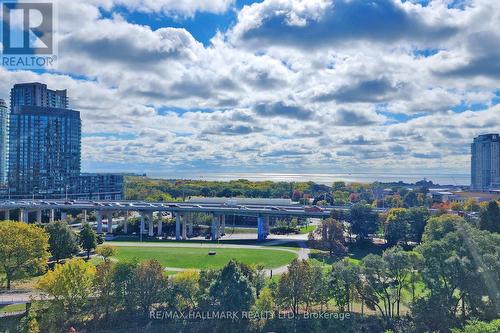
12 308
187 257
307 229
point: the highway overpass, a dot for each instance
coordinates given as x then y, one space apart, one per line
181 210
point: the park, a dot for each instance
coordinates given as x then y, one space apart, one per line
377 266
190 257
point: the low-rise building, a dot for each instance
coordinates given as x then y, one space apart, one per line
100 186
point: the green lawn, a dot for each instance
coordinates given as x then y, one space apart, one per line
186 257
307 229
12 308
230 231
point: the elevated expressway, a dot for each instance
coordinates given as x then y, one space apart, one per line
181 210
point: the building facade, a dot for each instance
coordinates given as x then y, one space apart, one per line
44 141
37 94
4 143
43 147
44 150
485 162
100 186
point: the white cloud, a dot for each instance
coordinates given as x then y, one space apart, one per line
269 100
175 7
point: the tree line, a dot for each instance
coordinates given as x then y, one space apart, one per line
448 281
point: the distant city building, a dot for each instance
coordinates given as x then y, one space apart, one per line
100 186
37 94
44 149
485 162
4 142
44 141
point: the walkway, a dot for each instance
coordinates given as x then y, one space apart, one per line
19 296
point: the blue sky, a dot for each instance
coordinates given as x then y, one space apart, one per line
179 87
203 26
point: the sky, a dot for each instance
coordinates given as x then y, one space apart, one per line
173 87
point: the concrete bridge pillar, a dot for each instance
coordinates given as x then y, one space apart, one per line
184 226
160 226
141 229
110 223
215 227
150 228
223 224
261 228
98 217
39 216
84 216
22 215
51 216
125 223
7 214
190 224
177 226
63 216
266 225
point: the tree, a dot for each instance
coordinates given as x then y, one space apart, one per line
490 217
402 224
344 279
296 195
460 270
148 285
410 199
471 205
186 289
479 327
338 185
457 206
363 220
123 282
29 323
417 218
329 236
317 289
104 288
23 250
232 290
265 302
106 252
384 278
396 226
292 291
87 239
69 286
400 265
437 227
62 240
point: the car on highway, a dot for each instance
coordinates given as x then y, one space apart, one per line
313 209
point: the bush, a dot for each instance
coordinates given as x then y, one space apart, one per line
284 230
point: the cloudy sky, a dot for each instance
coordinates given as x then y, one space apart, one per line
177 87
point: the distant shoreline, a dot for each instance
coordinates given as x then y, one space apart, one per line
457 179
